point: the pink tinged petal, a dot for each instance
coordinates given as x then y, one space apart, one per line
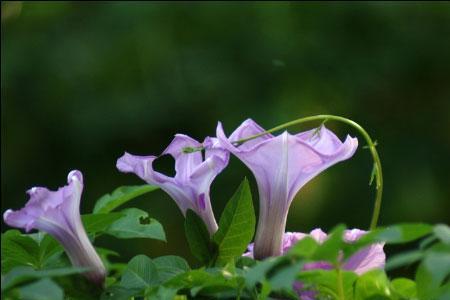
201 201
369 258
249 252
206 213
282 165
58 214
302 292
318 265
142 166
268 161
318 235
19 219
185 163
214 150
290 239
247 129
366 259
191 184
204 174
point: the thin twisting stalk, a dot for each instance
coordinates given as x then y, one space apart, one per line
371 145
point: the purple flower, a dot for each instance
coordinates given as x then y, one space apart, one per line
194 175
282 165
369 258
58 214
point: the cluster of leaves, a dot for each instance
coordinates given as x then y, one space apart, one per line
34 266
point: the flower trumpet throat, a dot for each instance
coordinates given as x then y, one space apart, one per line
282 165
58 214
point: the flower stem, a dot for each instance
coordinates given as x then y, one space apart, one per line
371 145
340 283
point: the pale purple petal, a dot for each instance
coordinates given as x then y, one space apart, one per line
194 175
323 265
282 165
370 258
19 219
213 148
353 235
366 259
246 129
318 235
58 214
203 175
142 166
185 163
302 292
326 142
290 239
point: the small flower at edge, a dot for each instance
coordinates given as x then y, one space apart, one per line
58 214
369 258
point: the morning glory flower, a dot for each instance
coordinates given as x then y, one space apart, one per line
194 174
58 214
369 258
282 165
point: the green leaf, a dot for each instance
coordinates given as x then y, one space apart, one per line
329 250
206 282
44 289
38 250
198 238
18 250
117 292
404 288
236 226
141 273
170 266
442 232
20 275
98 223
245 262
325 282
50 251
161 293
372 285
396 234
265 290
305 248
432 272
136 223
258 272
402 259
121 196
285 277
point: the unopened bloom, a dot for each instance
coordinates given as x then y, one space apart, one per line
58 214
282 165
194 175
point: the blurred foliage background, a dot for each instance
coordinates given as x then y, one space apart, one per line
82 83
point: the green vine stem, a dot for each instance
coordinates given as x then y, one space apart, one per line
340 283
376 171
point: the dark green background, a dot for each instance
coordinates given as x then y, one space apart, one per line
82 83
